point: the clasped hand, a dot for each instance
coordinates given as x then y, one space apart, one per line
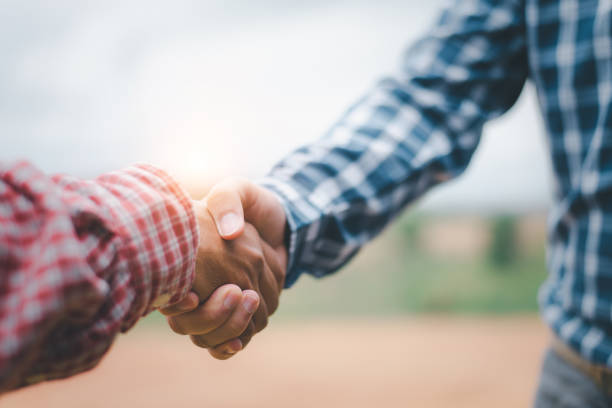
240 268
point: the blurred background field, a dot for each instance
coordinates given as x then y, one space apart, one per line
460 362
440 310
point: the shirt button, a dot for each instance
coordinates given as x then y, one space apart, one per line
161 300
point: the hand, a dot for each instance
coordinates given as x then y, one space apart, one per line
225 315
256 248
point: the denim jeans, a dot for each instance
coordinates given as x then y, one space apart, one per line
564 386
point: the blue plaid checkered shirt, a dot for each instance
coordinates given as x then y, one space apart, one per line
421 127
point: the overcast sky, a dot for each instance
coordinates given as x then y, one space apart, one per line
209 88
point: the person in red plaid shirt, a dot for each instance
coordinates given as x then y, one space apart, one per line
82 260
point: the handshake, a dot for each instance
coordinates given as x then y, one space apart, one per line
240 268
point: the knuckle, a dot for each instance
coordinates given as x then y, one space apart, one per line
245 282
258 264
273 305
252 261
259 261
256 260
261 323
280 281
246 335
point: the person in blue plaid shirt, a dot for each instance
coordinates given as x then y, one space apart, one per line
421 128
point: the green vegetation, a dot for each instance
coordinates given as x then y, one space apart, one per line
394 276
503 250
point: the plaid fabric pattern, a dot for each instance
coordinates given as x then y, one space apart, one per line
421 127
81 261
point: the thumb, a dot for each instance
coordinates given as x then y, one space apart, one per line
226 202
234 201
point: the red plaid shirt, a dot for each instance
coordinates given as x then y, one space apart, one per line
81 261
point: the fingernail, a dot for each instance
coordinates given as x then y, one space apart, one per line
229 224
250 303
231 299
234 346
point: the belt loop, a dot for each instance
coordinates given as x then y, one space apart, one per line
600 374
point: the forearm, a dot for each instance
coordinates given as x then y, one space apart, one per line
408 134
84 260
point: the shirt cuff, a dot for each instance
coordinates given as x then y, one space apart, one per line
154 220
164 238
300 215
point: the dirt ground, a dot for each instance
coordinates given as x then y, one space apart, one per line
414 362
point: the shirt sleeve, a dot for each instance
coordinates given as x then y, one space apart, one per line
81 261
411 132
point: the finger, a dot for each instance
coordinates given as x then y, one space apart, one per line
248 334
235 325
220 355
225 202
210 315
226 350
188 303
234 201
260 319
257 324
277 261
269 289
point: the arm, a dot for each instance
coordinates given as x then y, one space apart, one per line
407 135
81 261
